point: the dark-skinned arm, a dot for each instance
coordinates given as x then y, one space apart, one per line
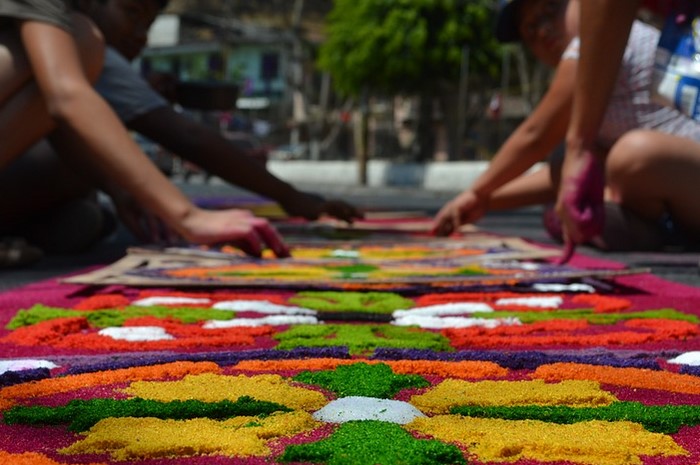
207 148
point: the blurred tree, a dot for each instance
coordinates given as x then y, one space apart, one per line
415 47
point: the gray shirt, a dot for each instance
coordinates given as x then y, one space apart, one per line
55 12
125 89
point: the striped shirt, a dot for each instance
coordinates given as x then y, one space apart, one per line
631 106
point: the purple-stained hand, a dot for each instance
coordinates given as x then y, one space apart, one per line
580 203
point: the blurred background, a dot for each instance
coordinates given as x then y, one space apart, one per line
407 82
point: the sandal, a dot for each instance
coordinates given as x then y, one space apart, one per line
16 252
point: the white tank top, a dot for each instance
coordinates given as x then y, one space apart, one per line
631 106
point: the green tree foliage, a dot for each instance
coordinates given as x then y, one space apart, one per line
407 46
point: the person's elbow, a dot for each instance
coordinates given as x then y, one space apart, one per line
66 96
66 91
91 46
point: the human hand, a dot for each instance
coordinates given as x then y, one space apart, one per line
580 202
237 227
145 226
467 207
312 206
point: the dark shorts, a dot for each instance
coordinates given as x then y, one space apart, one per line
56 12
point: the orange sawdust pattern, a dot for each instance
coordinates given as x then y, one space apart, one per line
629 377
453 393
652 330
490 298
210 387
602 303
589 443
215 296
101 301
31 458
50 386
243 336
151 438
450 297
71 333
47 332
461 369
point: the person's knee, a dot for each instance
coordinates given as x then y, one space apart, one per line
633 153
91 45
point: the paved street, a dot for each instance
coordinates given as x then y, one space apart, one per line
676 266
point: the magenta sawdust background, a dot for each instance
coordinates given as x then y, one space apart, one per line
644 292
653 292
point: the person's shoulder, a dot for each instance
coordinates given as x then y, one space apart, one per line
115 61
118 71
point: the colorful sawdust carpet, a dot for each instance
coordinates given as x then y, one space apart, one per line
592 373
419 266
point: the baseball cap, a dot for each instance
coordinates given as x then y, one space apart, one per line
507 22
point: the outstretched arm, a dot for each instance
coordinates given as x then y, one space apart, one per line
604 30
531 142
78 111
207 148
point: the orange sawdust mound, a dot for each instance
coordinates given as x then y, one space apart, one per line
460 369
50 386
640 378
31 458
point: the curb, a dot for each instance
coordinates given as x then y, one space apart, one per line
434 176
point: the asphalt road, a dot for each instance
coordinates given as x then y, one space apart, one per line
674 265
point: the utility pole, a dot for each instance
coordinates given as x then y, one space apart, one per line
299 110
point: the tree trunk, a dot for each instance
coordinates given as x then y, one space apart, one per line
425 131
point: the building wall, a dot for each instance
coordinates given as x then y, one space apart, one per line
260 69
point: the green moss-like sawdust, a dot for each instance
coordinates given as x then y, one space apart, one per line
665 419
362 379
81 415
116 317
331 301
373 442
361 339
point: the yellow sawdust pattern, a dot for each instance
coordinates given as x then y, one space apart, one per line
142 438
210 387
589 443
453 392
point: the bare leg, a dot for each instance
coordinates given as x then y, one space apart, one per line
651 173
24 118
70 101
14 68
